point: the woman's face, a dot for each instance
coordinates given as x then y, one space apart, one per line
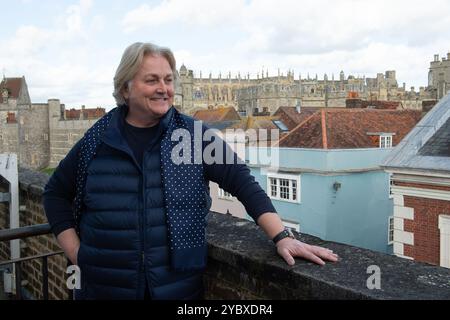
150 94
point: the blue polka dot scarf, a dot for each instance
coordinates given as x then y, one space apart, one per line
186 193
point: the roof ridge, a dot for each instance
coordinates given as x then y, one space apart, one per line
324 129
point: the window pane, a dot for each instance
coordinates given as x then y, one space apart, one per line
284 189
273 187
391 229
388 142
382 142
294 189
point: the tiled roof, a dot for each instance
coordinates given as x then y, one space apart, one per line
291 117
222 125
219 114
439 143
94 113
256 122
426 148
13 85
350 128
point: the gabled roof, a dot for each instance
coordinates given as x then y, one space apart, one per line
338 128
292 117
13 85
426 148
219 114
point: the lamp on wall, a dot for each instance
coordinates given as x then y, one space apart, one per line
336 186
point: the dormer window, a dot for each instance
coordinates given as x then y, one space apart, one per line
385 141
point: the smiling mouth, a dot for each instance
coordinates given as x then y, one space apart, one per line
159 99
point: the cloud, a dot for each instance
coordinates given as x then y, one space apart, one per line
360 36
292 26
58 62
69 59
194 13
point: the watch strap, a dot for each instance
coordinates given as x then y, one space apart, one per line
283 234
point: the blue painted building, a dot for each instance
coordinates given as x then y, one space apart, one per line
337 195
326 178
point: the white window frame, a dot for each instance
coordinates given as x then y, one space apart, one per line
222 194
390 230
390 185
385 141
291 225
291 178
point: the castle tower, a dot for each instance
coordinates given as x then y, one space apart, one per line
187 87
439 76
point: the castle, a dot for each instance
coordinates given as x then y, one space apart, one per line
42 133
268 93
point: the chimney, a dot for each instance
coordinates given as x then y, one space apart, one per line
436 58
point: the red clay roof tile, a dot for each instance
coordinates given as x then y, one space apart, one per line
350 128
13 85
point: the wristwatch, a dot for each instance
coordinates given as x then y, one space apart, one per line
286 233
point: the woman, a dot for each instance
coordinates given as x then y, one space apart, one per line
139 224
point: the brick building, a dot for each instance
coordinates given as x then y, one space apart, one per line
420 184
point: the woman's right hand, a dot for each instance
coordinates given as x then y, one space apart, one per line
70 243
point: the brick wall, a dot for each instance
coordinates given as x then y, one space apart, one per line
30 197
34 214
425 228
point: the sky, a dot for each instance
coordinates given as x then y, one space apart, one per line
69 50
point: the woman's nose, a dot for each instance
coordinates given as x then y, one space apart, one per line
162 88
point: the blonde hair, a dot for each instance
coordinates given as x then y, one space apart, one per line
132 60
